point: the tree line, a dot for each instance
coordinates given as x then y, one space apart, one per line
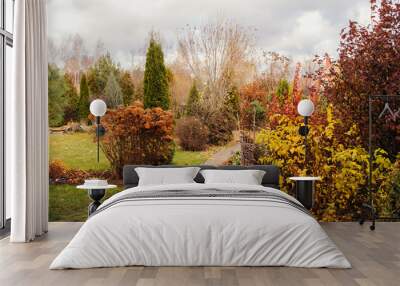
107 80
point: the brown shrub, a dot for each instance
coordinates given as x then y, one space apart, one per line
220 125
60 174
135 135
57 169
192 134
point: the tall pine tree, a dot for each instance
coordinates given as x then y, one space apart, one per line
127 88
155 85
113 93
97 75
232 101
83 99
282 91
56 91
71 108
193 100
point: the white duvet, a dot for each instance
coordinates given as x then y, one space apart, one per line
203 232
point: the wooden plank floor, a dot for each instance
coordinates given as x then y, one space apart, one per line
375 257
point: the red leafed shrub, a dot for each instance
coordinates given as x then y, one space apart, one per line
253 100
60 174
368 64
192 134
135 135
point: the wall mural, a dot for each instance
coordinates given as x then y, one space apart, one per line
221 99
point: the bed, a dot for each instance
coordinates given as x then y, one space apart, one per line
201 224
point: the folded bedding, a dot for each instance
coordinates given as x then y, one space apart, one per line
201 225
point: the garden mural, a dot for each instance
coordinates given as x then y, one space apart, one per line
220 101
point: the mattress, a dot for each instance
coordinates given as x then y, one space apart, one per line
201 225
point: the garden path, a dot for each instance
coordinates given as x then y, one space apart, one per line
223 155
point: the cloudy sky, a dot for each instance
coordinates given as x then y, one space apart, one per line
298 29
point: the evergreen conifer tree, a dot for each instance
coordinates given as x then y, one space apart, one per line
127 88
232 101
83 99
71 109
282 90
112 92
56 90
155 85
193 100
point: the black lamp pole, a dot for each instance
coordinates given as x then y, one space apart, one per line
305 139
303 130
98 137
98 108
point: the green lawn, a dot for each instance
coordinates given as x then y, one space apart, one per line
66 203
191 158
78 150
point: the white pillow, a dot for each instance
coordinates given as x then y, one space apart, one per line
248 177
166 176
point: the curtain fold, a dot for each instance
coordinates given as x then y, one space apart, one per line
27 124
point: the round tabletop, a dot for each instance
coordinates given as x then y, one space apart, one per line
88 187
305 178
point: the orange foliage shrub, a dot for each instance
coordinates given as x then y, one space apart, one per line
60 174
57 169
135 135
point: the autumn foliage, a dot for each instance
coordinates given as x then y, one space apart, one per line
192 134
135 135
368 64
59 173
342 166
253 100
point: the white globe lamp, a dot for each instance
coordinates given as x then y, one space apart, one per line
305 107
98 107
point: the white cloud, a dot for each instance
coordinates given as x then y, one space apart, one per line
297 28
311 34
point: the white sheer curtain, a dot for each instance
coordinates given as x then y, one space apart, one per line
27 124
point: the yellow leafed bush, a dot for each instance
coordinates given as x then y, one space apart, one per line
343 166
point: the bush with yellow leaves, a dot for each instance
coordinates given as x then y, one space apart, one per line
342 166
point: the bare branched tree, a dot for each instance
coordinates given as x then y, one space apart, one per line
100 49
277 67
214 53
74 55
52 51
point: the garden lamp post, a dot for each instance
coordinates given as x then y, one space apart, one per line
98 108
306 109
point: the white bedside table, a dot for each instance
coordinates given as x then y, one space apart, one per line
96 193
305 189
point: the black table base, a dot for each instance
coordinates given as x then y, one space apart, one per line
96 195
305 193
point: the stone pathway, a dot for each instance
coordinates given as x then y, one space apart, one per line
224 154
